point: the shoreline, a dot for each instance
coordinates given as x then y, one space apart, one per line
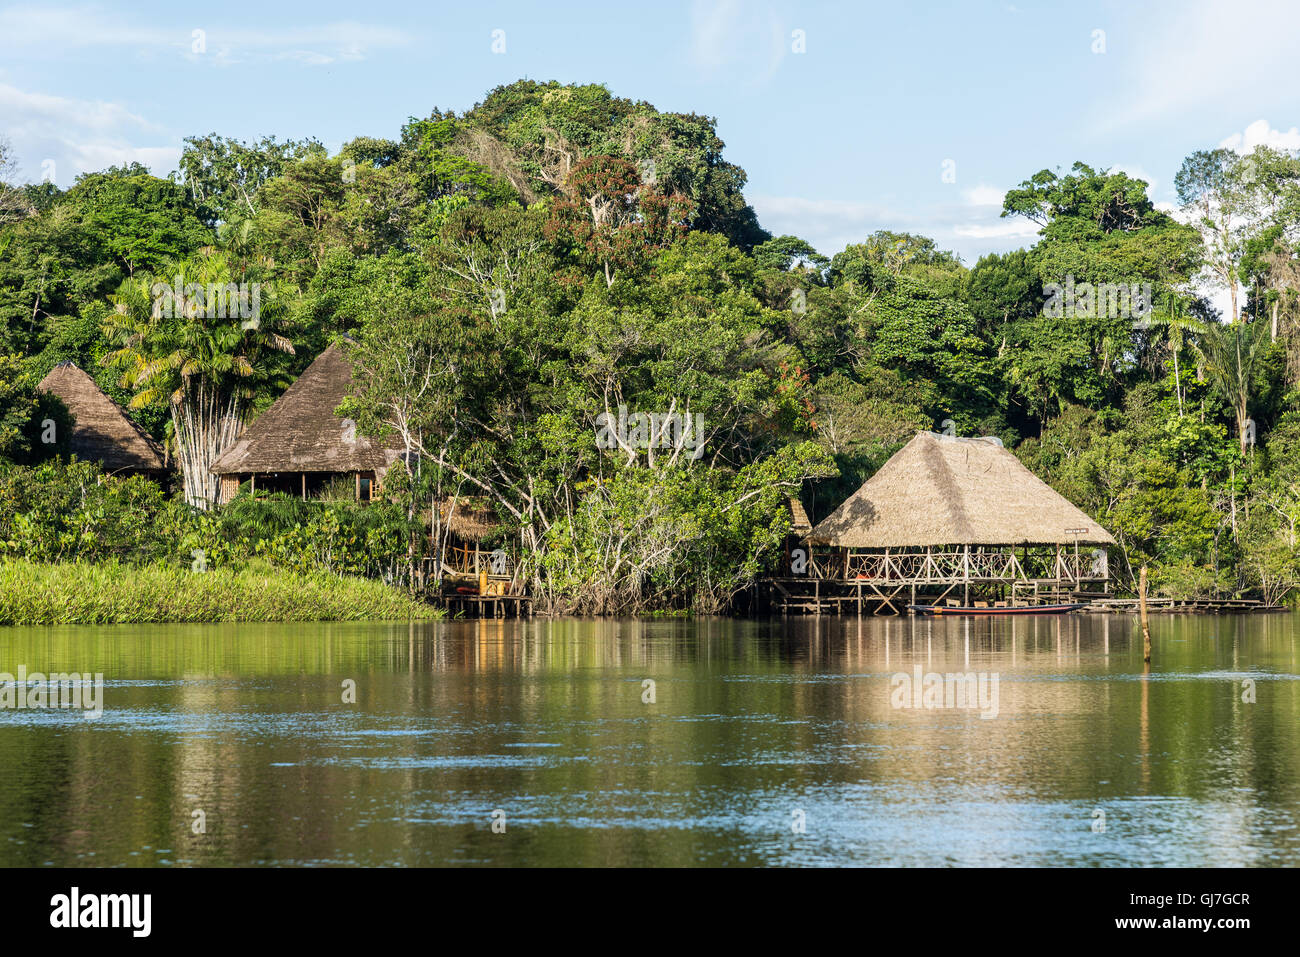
32 593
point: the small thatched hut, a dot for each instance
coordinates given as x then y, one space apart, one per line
460 529
102 432
299 445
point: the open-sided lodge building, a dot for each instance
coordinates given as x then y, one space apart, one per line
947 519
102 432
299 445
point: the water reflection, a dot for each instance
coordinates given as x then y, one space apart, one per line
751 722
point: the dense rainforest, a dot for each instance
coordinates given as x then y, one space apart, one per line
564 309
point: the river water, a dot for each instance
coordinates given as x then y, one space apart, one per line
670 742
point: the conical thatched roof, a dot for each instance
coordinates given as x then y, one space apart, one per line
939 490
301 433
101 431
468 519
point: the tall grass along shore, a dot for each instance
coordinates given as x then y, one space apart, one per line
79 593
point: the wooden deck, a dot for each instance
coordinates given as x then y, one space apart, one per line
487 606
832 596
1181 606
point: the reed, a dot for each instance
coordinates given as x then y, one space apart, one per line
104 593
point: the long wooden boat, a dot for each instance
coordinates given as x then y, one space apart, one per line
1013 610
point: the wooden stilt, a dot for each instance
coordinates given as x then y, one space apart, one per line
1142 604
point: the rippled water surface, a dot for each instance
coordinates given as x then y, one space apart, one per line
765 743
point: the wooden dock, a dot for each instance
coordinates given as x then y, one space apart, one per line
813 596
829 596
1181 606
488 606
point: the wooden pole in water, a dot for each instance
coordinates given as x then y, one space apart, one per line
1142 605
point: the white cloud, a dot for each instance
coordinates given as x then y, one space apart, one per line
70 137
743 41
1260 133
984 196
44 27
28 29
971 230
1188 55
824 210
1135 172
20 108
309 57
1010 228
829 225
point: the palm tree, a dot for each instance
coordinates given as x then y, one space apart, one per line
182 340
1172 317
1229 353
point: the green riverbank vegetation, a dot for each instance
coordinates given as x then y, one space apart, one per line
77 546
563 307
76 593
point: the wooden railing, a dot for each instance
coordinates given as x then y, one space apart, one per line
935 567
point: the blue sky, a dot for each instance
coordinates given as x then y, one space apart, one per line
849 136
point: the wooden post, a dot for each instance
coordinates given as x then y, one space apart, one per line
1142 605
965 570
304 486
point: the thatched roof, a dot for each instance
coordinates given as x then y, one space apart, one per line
469 520
939 490
101 431
799 523
301 433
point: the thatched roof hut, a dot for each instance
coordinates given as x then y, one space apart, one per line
299 442
102 432
469 520
939 490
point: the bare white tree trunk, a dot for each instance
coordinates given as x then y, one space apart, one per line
205 424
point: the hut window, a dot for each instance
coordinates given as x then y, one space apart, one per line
364 488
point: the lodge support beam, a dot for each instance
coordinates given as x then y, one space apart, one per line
966 575
876 581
